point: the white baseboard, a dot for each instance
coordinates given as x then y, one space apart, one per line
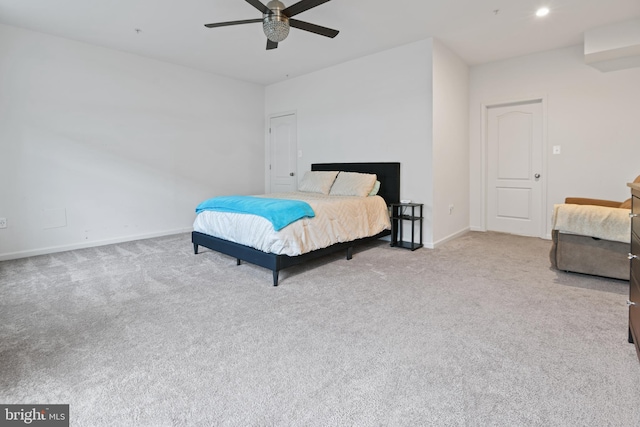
449 237
83 245
547 236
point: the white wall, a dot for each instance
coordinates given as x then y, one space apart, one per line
117 146
98 146
593 116
373 109
450 144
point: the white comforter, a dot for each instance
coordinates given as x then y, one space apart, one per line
338 219
596 221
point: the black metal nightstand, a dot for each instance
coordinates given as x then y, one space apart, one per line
401 212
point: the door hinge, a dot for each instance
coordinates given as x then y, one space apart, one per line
269 130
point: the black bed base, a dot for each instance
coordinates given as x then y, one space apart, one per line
273 262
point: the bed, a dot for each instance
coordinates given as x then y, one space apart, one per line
388 174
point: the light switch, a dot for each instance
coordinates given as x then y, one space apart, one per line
556 149
299 154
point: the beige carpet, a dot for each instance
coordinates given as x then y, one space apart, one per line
479 332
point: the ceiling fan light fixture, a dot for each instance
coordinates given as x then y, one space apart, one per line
275 29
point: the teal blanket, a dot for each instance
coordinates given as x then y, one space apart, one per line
281 212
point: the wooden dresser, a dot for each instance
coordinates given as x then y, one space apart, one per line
634 282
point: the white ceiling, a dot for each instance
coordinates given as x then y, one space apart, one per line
174 31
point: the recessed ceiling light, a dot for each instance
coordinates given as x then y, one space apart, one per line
543 11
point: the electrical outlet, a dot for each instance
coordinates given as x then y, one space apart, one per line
556 149
3 222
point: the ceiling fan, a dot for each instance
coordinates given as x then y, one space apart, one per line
276 20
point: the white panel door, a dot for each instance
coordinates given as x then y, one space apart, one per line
514 168
283 146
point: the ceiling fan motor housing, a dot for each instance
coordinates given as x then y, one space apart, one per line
275 24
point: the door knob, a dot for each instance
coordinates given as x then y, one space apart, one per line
291 174
630 303
632 256
536 176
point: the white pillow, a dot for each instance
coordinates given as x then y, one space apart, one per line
317 181
353 184
375 189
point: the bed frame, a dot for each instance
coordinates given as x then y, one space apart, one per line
389 177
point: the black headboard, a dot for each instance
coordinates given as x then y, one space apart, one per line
388 175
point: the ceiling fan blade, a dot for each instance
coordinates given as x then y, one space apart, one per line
313 28
301 6
224 24
260 6
271 45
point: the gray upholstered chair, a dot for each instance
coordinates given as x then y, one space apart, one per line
590 248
